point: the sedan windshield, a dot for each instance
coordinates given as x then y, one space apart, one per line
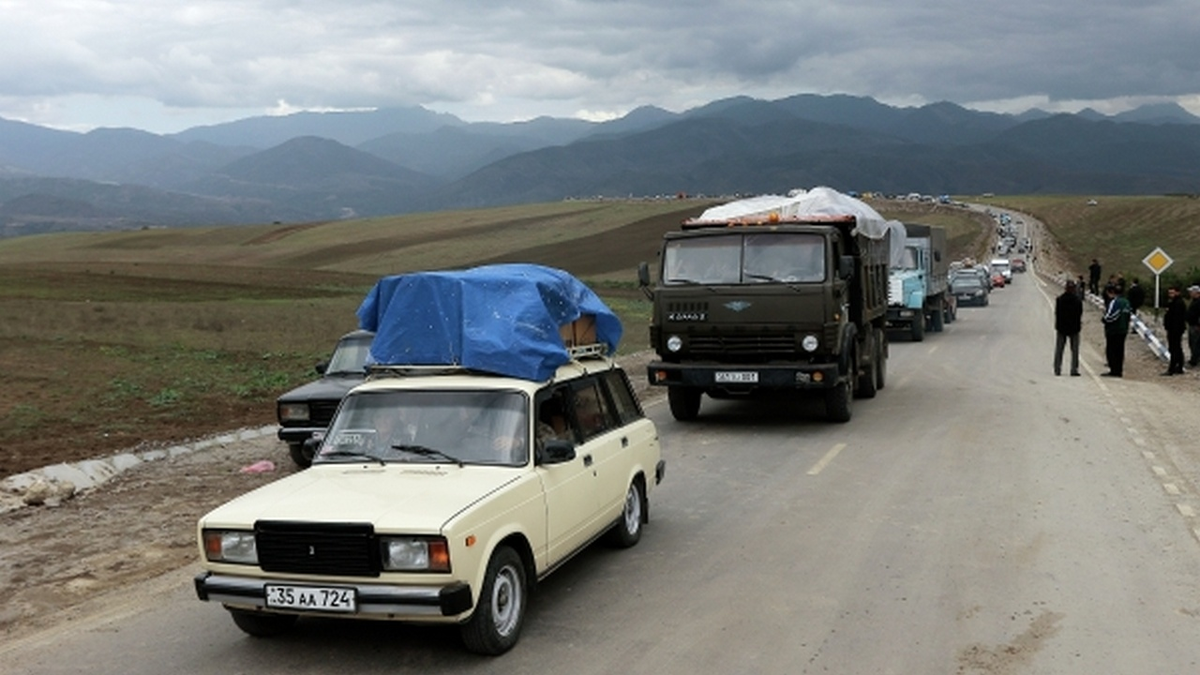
461 427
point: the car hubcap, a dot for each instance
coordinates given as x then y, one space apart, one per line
506 600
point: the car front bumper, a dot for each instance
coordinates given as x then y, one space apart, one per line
410 603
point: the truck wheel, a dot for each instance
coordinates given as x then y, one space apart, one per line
939 319
918 327
302 454
496 623
837 402
685 402
868 376
881 360
262 624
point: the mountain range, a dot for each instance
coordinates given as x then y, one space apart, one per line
320 166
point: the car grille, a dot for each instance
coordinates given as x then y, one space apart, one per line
320 413
335 549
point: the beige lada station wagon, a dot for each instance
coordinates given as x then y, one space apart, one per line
442 492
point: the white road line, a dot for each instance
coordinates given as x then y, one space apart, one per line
833 452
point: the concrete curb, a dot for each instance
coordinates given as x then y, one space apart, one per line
60 481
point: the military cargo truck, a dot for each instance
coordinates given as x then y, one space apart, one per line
773 294
918 287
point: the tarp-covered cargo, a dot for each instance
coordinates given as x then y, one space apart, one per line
502 319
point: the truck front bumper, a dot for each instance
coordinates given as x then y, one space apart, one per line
743 377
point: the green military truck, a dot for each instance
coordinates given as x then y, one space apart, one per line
773 294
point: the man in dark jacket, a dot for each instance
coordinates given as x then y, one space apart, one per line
1136 295
1116 330
1094 277
1175 323
1068 319
1193 322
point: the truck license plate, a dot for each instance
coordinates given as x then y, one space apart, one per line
316 598
737 377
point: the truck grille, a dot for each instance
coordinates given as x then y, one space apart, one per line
336 549
735 346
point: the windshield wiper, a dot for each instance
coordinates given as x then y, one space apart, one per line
353 455
427 452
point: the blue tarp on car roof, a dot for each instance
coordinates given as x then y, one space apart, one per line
501 319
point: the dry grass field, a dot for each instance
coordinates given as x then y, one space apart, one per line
131 339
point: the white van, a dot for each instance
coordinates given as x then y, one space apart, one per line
1003 266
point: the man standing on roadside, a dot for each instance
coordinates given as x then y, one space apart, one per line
1094 278
1068 320
1193 322
1136 295
1175 323
1116 329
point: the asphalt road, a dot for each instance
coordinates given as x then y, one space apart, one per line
979 516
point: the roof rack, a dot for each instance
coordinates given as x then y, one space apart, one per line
596 350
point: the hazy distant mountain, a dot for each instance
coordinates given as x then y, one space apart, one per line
311 166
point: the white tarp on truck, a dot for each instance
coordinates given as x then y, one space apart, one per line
819 201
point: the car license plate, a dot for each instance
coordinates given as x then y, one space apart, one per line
314 598
737 377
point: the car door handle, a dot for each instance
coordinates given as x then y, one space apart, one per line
624 441
587 460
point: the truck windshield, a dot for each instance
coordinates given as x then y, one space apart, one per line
745 259
910 259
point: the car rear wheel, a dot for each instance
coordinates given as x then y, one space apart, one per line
262 624
628 530
500 612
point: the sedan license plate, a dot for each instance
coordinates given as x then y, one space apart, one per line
737 377
313 598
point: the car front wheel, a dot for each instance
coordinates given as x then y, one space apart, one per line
496 624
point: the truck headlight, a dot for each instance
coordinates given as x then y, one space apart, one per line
674 343
230 546
293 412
414 554
810 343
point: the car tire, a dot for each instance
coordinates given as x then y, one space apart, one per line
301 453
495 625
262 624
684 402
628 530
837 402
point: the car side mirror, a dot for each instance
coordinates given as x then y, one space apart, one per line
644 280
321 367
556 452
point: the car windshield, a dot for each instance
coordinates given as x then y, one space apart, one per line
463 427
350 356
745 259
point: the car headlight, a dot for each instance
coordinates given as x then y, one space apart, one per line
230 546
414 554
293 412
674 343
810 343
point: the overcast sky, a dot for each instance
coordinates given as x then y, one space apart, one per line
166 65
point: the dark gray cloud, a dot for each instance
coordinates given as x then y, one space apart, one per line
162 65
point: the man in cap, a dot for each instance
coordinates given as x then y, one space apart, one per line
1193 325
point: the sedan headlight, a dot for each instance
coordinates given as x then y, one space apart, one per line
810 343
293 412
674 343
230 546
414 554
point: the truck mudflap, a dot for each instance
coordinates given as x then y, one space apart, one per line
744 377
